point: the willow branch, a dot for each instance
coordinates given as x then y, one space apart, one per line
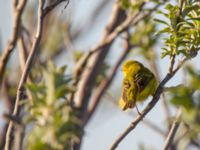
172 132
145 121
89 73
17 13
98 93
149 107
22 51
26 70
52 6
18 10
156 67
82 94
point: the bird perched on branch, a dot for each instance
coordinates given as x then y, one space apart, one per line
138 84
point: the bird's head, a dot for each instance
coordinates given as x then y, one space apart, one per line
131 66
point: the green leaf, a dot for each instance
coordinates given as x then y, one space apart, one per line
169 7
165 14
161 21
62 69
191 24
165 30
164 54
182 96
195 19
188 9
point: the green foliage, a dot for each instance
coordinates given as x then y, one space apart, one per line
188 98
53 41
54 123
183 29
131 5
103 69
103 73
143 36
182 96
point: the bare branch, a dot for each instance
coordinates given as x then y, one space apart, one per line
89 74
14 119
22 51
26 70
108 39
172 61
155 67
18 9
172 131
148 108
98 93
34 49
85 85
17 13
9 104
145 121
52 6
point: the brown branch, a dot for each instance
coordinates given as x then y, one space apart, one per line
90 67
9 104
42 12
172 61
154 127
93 64
98 93
52 6
26 70
22 51
185 134
18 9
17 13
86 83
170 137
149 107
15 120
156 68
145 121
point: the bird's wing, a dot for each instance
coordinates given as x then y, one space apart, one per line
129 94
126 86
142 79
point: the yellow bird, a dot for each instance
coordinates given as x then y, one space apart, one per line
138 84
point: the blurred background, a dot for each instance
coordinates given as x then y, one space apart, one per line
74 30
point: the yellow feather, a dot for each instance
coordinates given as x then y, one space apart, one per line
138 84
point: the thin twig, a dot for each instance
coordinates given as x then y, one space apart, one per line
9 104
26 70
52 6
156 68
18 9
98 93
145 121
109 37
154 127
148 107
172 61
188 131
17 13
131 20
22 51
34 49
89 74
172 132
